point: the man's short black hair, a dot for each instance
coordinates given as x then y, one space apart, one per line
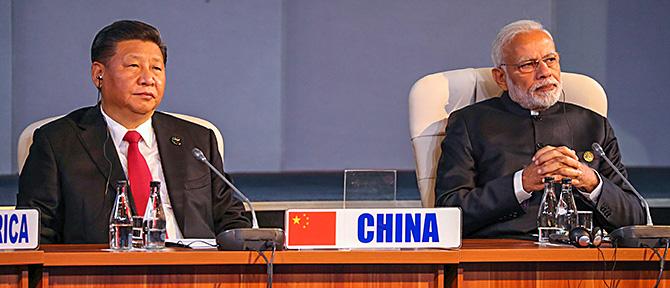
104 43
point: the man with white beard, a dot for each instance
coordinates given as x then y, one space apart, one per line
497 152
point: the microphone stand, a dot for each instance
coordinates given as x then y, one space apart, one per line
636 235
254 238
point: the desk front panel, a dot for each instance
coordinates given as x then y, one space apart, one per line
517 263
91 266
332 275
479 263
14 267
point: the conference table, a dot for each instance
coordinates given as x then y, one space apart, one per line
14 266
478 263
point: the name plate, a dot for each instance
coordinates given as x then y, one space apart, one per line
373 228
19 229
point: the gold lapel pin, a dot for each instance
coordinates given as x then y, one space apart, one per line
176 140
588 156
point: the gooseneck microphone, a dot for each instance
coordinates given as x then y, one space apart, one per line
201 157
599 150
254 238
634 236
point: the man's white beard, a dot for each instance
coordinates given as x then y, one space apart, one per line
535 100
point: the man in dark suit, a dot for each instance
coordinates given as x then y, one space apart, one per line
497 152
75 161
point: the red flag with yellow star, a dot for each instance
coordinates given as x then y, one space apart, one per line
311 228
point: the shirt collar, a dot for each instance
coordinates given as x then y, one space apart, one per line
117 130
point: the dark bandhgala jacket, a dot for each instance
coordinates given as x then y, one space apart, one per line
71 159
487 142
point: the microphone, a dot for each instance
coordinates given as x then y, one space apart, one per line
635 235
201 157
254 238
599 150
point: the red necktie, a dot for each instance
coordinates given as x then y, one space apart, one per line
139 175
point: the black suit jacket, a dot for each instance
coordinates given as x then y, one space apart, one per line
71 159
487 142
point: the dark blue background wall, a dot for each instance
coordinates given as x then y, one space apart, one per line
322 85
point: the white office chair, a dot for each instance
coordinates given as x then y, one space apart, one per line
26 137
435 96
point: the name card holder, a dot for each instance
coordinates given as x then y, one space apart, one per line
373 228
19 229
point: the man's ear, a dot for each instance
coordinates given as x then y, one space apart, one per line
500 77
97 74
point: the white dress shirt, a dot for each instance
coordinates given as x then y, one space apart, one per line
149 149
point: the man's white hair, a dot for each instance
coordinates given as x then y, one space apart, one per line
508 32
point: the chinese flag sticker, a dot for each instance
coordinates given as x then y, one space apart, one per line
311 228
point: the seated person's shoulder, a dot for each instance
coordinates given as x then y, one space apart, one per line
583 111
587 118
181 124
65 123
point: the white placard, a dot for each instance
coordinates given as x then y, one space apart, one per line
19 229
373 228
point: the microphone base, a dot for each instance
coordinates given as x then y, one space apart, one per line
242 239
641 236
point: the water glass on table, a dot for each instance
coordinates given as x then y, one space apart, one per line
585 220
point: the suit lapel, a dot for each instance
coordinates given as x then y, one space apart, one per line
96 141
173 162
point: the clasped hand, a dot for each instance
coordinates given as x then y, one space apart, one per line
558 162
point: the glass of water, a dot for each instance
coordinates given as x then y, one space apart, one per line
120 220
585 219
544 233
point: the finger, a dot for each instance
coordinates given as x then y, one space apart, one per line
569 161
550 169
544 155
575 182
561 174
542 150
548 156
557 166
557 177
569 172
531 181
568 152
